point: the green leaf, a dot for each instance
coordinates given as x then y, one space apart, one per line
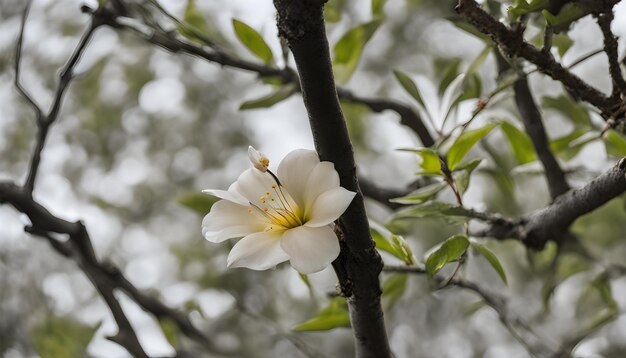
471 165
473 308
451 250
520 143
603 285
271 99
492 259
478 61
393 244
464 143
522 7
170 331
615 143
432 209
378 7
332 11
349 48
568 146
253 41
61 336
462 180
334 315
569 13
430 161
562 43
422 194
198 202
195 20
472 88
393 288
450 72
407 83
471 29
571 110
596 301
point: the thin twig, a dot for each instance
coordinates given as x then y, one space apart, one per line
299 343
126 336
519 329
17 66
44 122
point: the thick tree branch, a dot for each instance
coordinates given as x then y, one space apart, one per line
553 221
301 23
533 125
514 45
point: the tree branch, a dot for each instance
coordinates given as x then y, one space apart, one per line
553 221
301 23
168 41
79 248
514 45
408 116
45 121
533 125
17 65
104 276
610 47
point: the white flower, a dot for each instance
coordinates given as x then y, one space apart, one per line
287 216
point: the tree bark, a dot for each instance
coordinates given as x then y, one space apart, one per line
358 266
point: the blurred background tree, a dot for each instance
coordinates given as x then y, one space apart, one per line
167 96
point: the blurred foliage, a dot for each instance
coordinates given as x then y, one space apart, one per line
60 337
411 50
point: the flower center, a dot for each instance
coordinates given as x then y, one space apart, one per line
278 207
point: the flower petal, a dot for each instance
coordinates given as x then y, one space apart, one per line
253 184
310 249
329 206
231 194
322 178
228 220
293 172
258 251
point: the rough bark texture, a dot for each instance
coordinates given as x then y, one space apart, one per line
301 23
552 222
512 42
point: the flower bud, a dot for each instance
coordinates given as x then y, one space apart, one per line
258 159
